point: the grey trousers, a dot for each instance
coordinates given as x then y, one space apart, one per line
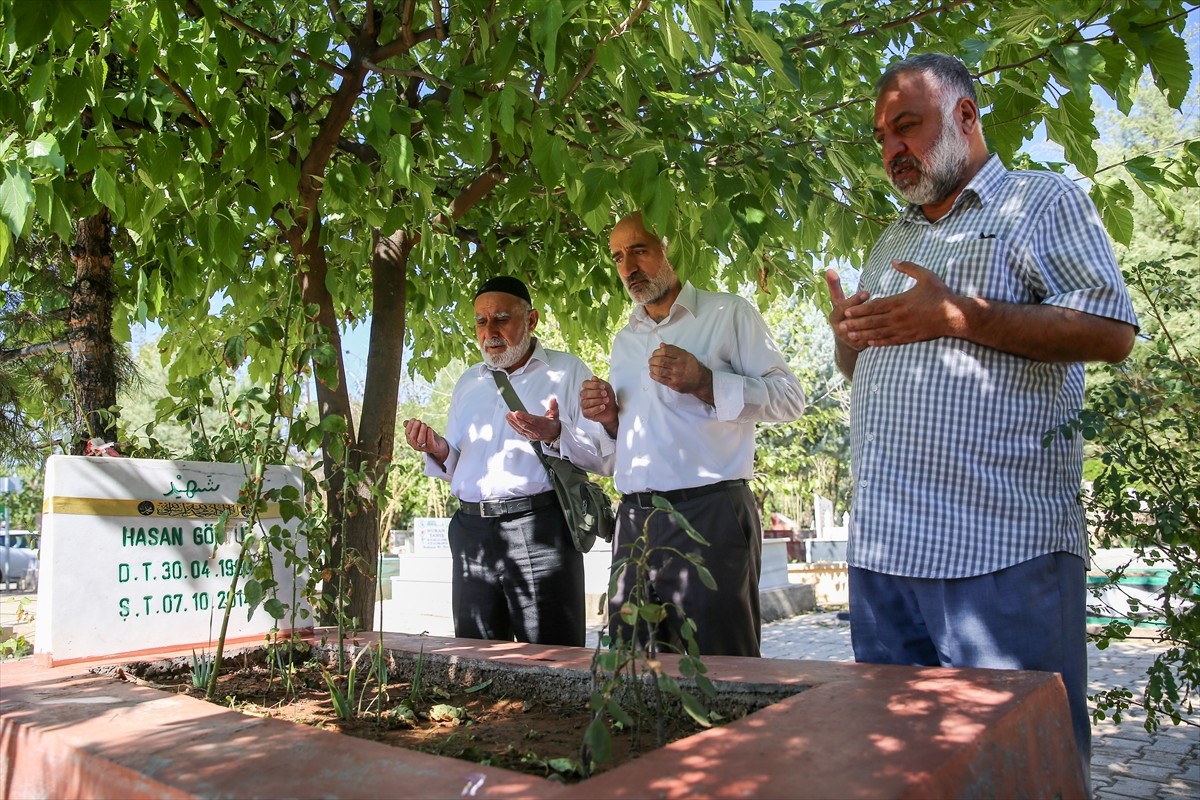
728 621
517 577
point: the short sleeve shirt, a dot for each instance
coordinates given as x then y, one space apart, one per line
957 470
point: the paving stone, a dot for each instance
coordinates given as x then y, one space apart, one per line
1134 787
1170 745
1146 770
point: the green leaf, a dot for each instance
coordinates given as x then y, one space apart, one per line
16 199
545 29
1081 62
253 592
267 331
91 12
1169 63
32 20
5 244
652 612
508 100
276 609
1071 125
598 741
618 713
750 217
706 577
43 152
105 188
235 351
695 709
565 766
1113 200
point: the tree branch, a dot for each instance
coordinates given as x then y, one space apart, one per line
335 12
408 73
401 45
617 31
34 350
161 74
266 37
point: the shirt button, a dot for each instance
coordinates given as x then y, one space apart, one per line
864 484
874 388
870 437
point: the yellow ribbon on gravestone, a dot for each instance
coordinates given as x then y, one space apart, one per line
109 507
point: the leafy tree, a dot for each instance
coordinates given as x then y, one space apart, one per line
315 162
1143 416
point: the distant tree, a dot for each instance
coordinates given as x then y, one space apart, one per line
811 456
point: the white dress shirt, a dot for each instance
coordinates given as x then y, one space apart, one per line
667 440
488 460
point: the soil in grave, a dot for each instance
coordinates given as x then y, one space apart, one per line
535 737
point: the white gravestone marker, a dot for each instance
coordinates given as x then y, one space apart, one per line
130 562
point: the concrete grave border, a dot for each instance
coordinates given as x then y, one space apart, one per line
853 730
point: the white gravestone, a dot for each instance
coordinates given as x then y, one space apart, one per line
130 561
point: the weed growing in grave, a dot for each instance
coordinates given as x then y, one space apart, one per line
630 686
203 666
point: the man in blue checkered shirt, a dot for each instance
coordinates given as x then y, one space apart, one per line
965 342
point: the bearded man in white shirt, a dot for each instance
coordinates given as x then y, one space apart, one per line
517 574
691 374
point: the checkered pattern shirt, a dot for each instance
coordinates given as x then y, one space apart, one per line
951 478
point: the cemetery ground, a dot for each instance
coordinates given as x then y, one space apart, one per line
1128 762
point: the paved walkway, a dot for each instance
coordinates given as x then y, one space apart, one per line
1128 763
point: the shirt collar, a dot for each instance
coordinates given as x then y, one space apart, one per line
686 302
539 354
982 187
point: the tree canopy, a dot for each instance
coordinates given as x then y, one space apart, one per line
309 162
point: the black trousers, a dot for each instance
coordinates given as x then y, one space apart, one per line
518 577
728 620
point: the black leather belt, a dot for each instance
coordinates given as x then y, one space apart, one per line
515 505
646 499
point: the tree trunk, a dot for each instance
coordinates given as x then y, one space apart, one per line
377 428
332 401
89 332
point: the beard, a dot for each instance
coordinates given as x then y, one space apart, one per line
510 356
653 290
940 175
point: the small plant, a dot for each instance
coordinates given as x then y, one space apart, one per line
622 672
348 703
15 647
203 666
414 695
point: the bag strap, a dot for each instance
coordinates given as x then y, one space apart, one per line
514 404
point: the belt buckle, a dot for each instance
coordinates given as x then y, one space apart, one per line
645 499
486 506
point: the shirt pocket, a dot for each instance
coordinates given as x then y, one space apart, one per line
987 268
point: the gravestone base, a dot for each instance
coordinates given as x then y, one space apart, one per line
850 730
787 601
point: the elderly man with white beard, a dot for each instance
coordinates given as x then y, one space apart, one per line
517 574
965 343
